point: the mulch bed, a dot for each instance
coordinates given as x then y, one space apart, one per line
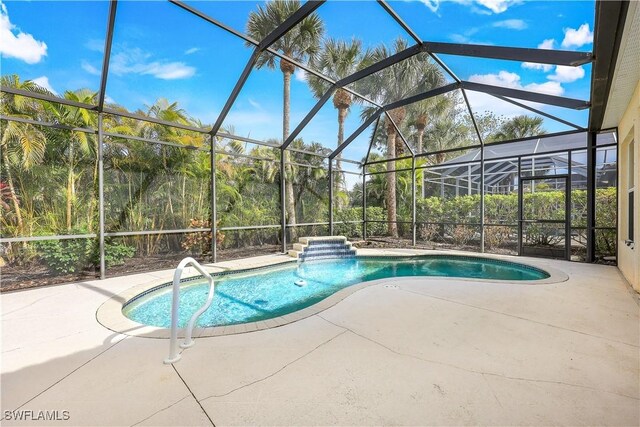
37 275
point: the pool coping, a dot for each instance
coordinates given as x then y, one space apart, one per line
110 315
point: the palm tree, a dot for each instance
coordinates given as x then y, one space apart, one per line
300 43
420 113
77 117
22 144
337 60
415 74
519 127
447 132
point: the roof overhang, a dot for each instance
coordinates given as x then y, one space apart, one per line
610 25
627 69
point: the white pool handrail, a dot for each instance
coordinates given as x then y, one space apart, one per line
174 356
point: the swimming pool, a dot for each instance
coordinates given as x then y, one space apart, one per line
266 293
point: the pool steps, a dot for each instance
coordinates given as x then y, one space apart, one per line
324 247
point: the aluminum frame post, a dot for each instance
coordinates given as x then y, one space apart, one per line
520 206
283 205
330 197
413 200
591 196
364 203
214 213
103 273
568 207
481 197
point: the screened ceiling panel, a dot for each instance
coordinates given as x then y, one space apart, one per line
566 81
439 123
495 119
365 21
378 140
403 79
258 111
236 14
357 149
171 54
524 23
580 118
34 51
324 128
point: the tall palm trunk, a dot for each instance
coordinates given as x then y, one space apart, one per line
70 186
340 182
420 137
287 70
390 193
12 194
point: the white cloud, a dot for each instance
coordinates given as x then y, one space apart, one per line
546 44
300 75
564 74
433 5
254 103
96 45
550 88
513 80
19 45
577 38
43 81
497 6
109 100
482 7
191 51
512 24
503 78
136 61
90 68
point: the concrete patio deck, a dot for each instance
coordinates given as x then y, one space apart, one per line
429 352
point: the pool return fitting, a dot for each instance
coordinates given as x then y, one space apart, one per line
174 356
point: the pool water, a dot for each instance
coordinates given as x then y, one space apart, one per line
272 292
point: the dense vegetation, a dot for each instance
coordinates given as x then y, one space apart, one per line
49 175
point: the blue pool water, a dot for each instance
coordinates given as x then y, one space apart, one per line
271 292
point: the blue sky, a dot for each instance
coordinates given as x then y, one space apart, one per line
159 50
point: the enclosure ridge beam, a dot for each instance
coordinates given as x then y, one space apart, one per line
305 10
310 115
538 56
400 21
542 113
559 101
236 91
355 134
381 65
421 96
44 97
215 22
113 5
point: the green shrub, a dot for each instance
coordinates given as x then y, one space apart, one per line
65 256
117 253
